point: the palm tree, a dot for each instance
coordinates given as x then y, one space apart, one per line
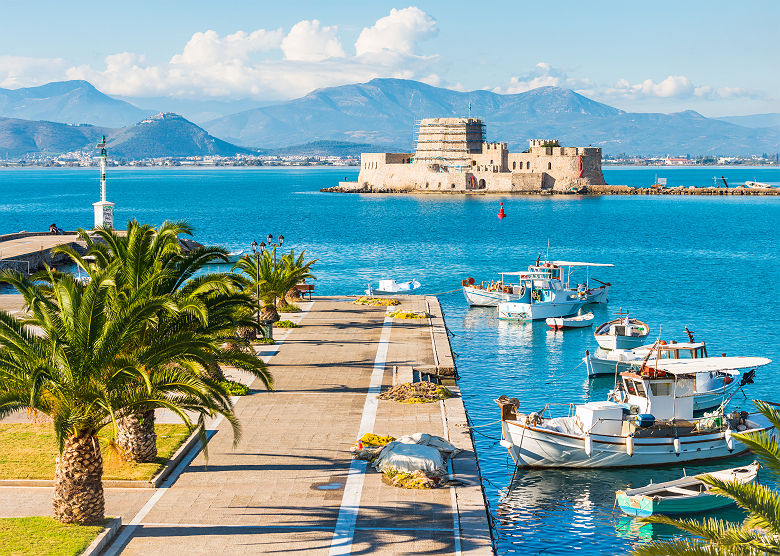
273 281
149 262
76 358
297 270
759 533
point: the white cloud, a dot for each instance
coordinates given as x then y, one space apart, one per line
310 42
674 86
399 32
542 75
272 64
23 71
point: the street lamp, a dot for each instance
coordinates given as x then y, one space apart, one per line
270 239
257 282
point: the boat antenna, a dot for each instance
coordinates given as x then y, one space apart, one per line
547 257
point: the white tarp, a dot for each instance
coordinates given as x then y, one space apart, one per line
416 452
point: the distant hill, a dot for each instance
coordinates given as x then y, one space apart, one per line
754 120
167 134
327 148
70 102
383 112
22 137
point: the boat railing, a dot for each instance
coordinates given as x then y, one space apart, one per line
546 412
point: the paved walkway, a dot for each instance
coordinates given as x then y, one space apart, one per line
282 488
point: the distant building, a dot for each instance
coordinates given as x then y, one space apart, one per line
453 156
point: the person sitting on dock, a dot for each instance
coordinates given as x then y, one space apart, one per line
54 230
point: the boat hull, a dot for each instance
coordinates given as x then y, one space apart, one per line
532 446
564 323
597 295
478 297
645 506
537 311
606 341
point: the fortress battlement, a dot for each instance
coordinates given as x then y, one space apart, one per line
452 155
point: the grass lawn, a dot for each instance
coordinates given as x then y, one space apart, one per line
27 451
43 536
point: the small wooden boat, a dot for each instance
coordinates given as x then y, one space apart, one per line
622 333
682 496
391 287
562 323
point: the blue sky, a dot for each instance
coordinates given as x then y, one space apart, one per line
716 57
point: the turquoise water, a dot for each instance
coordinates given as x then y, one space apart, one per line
709 263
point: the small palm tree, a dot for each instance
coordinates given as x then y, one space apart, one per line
759 533
76 358
273 281
150 262
297 270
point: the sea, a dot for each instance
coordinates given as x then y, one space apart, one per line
709 263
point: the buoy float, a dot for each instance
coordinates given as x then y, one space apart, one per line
676 446
630 446
588 445
501 213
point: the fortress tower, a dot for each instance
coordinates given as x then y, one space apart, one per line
449 141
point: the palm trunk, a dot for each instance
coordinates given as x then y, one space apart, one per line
137 438
78 486
213 371
269 313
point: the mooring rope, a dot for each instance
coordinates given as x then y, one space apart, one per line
566 373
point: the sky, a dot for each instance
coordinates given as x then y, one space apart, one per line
716 57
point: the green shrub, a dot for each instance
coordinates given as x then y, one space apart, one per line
289 308
234 388
286 324
269 341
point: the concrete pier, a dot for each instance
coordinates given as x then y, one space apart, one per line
291 485
28 251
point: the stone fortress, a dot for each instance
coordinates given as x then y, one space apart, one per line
453 157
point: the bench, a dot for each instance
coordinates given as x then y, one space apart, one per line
305 289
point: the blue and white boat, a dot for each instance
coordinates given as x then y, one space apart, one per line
391 287
541 298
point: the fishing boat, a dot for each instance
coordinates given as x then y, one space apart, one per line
622 333
508 286
563 323
540 298
682 496
609 361
391 287
757 185
652 425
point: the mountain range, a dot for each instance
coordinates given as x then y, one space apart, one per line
377 115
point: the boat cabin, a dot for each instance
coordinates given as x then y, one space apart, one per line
687 350
658 393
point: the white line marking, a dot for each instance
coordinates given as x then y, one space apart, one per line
344 533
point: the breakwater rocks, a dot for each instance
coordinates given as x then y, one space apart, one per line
585 190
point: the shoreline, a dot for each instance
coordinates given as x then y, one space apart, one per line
587 191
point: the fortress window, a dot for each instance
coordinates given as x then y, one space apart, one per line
491 162
514 165
549 165
452 185
528 165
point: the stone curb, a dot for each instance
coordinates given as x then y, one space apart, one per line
105 538
154 482
183 450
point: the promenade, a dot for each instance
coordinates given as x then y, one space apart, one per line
290 484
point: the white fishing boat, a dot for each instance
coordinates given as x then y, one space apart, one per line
604 362
757 185
563 323
508 286
654 425
540 298
391 287
622 333
682 496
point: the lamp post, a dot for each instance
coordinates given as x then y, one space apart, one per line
257 281
270 239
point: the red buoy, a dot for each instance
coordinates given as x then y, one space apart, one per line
501 213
